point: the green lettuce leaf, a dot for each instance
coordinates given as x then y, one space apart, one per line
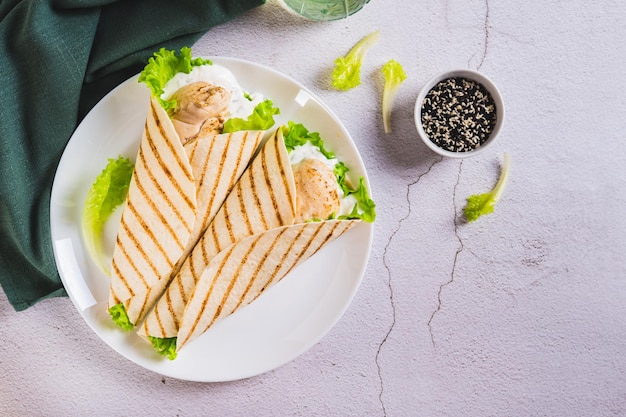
394 76
481 204
108 191
165 346
347 72
295 134
119 316
365 208
262 118
163 66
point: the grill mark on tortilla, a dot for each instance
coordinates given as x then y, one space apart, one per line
165 168
244 140
242 210
158 212
157 316
144 304
234 279
185 167
168 173
205 167
204 259
257 199
157 185
268 181
118 272
284 257
113 296
305 248
329 236
179 281
183 296
228 224
128 257
170 306
193 146
216 244
208 295
283 175
266 255
116 298
130 261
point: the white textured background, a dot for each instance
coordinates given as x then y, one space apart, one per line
522 313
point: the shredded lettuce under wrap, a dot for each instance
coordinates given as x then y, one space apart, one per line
120 317
107 192
165 346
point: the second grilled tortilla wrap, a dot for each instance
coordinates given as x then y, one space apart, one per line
174 194
244 270
263 199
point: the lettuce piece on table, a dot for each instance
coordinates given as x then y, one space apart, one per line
347 72
482 204
394 76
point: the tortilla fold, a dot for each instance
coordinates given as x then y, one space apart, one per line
244 270
174 194
263 199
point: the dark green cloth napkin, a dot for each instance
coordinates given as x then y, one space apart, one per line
57 60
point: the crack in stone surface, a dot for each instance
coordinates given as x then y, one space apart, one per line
390 279
485 38
457 219
459 249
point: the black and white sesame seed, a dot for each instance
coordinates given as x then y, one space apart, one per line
458 114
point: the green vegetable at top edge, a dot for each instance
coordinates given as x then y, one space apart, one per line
347 72
481 204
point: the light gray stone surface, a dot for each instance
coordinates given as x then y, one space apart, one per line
522 313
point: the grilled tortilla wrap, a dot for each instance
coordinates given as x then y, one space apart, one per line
175 192
241 272
263 199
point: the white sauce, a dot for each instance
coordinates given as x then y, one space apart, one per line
240 106
309 151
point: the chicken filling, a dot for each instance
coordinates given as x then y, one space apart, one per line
200 110
317 193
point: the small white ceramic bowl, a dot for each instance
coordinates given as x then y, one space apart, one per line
471 75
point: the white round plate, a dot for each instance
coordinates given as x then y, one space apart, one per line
280 325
